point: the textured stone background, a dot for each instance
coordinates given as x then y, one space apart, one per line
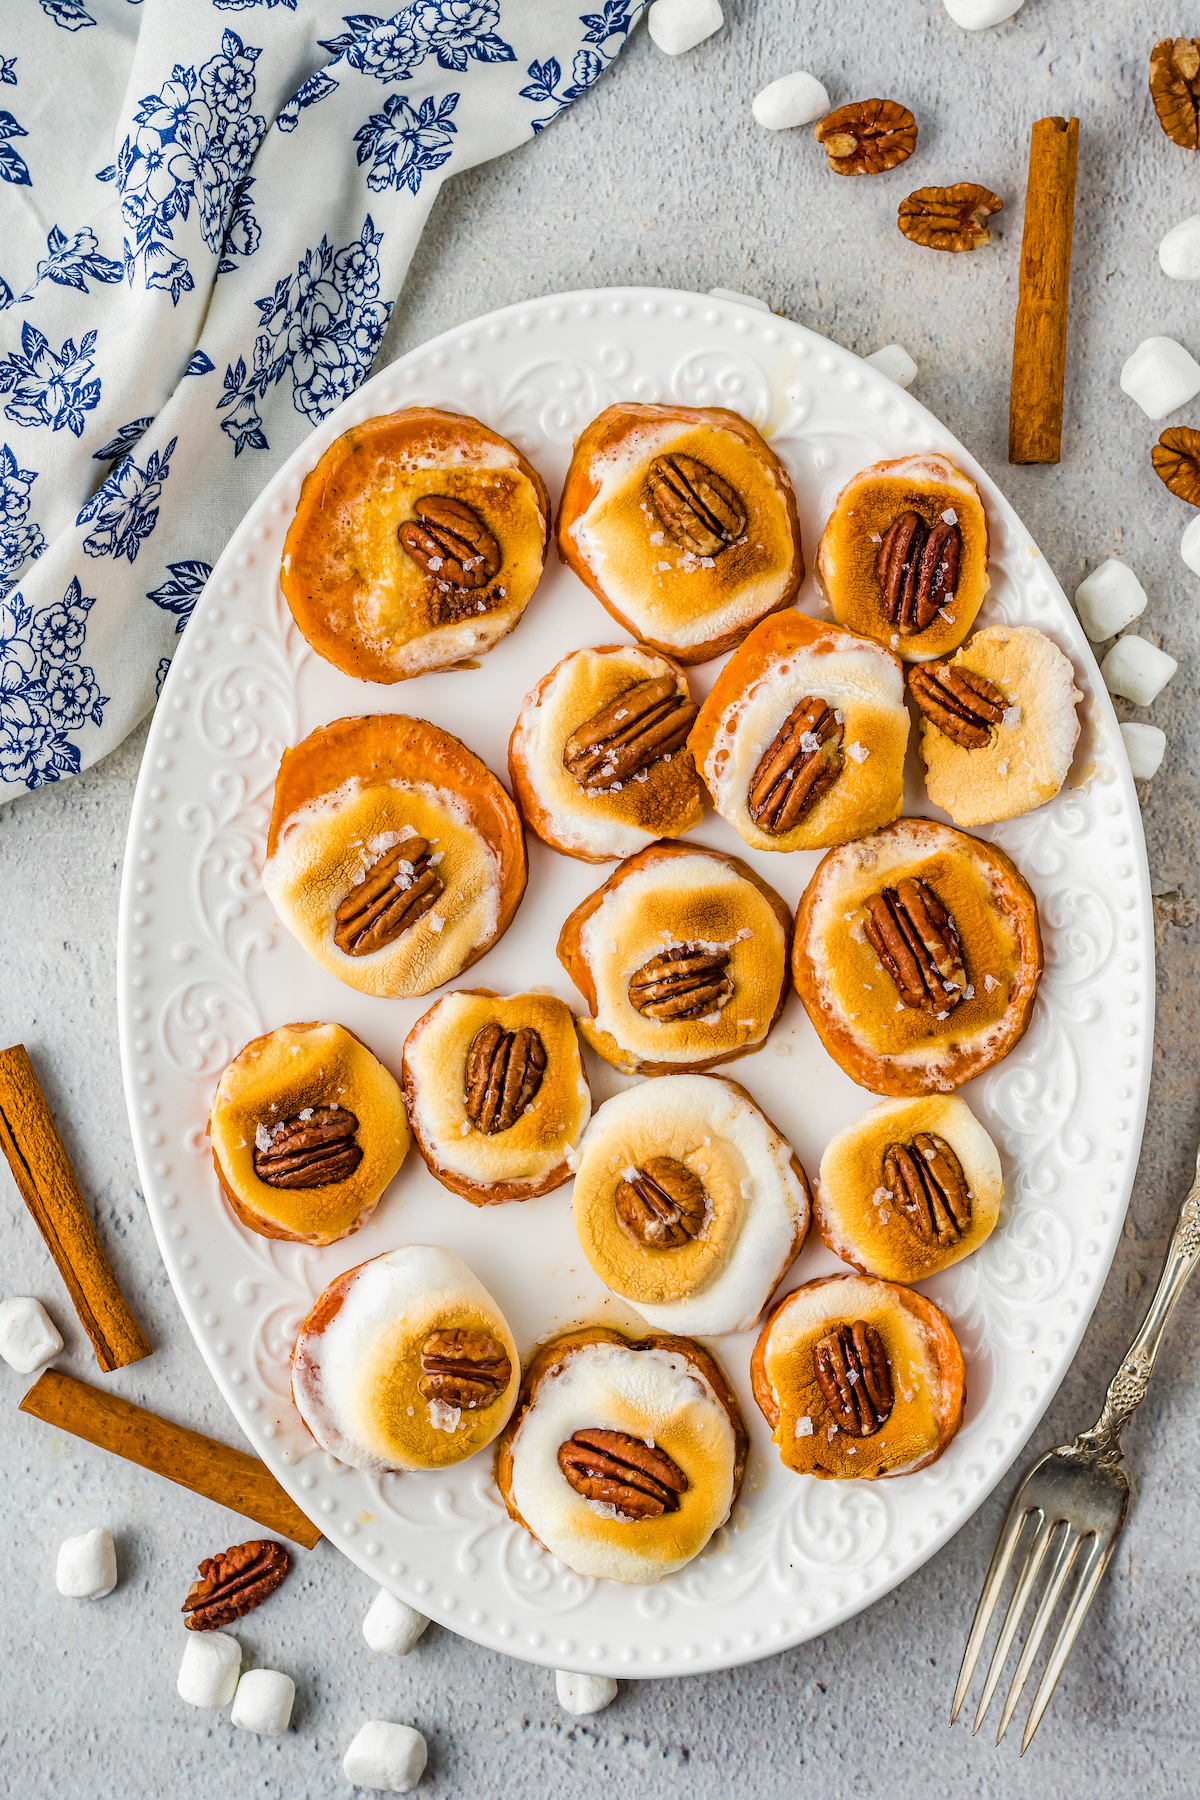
662 176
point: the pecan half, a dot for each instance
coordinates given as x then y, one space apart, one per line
503 1073
638 1479
451 542
917 942
645 723
802 762
1175 89
687 981
313 1149
949 218
1176 459
463 1368
867 136
927 1183
399 889
661 1205
855 1378
917 569
234 1583
698 507
963 705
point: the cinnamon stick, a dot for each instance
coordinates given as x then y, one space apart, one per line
47 1182
1040 339
230 1477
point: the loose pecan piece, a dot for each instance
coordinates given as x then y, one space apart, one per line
927 1183
688 981
949 218
463 1368
917 942
638 1479
855 1377
1175 89
234 1583
917 569
698 507
1176 459
503 1073
316 1147
802 762
963 705
867 136
642 725
661 1205
451 542
399 889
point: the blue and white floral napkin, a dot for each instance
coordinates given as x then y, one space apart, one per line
203 230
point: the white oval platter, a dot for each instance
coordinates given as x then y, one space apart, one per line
204 966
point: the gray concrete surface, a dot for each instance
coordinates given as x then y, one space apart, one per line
661 176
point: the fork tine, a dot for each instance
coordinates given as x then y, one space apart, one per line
1006 1546
1016 1608
1095 1564
1054 1586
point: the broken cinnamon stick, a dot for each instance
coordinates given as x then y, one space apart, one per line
230 1477
47 1182
1040 339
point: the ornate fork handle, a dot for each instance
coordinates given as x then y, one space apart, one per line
1128 1387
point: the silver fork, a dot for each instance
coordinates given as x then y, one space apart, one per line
1076 1498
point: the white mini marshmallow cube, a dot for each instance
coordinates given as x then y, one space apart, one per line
1109 599
28 1337
976 15
1189 546
894 362
87 1566
1146 745
263 1702
678 25
583 1694
391 1626
1179 252
1137 670
208 1674
1161 375
390 1758
796 99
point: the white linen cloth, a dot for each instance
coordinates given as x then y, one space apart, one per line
207 208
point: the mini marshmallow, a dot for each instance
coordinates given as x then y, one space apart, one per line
263 1702
1189 545
796 99
1160 375
391 1626
733 294
1109 599
87 1566
1146 745
894 362
208 1674
27 1335
583 1694
1137 670
390 1758
677 25
975 15
1179 252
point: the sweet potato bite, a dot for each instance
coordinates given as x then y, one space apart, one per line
624 1455
801 741
858 1379
917 955
904 555
682 959
417 542
497 1094
307 1129
683 523
394 856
